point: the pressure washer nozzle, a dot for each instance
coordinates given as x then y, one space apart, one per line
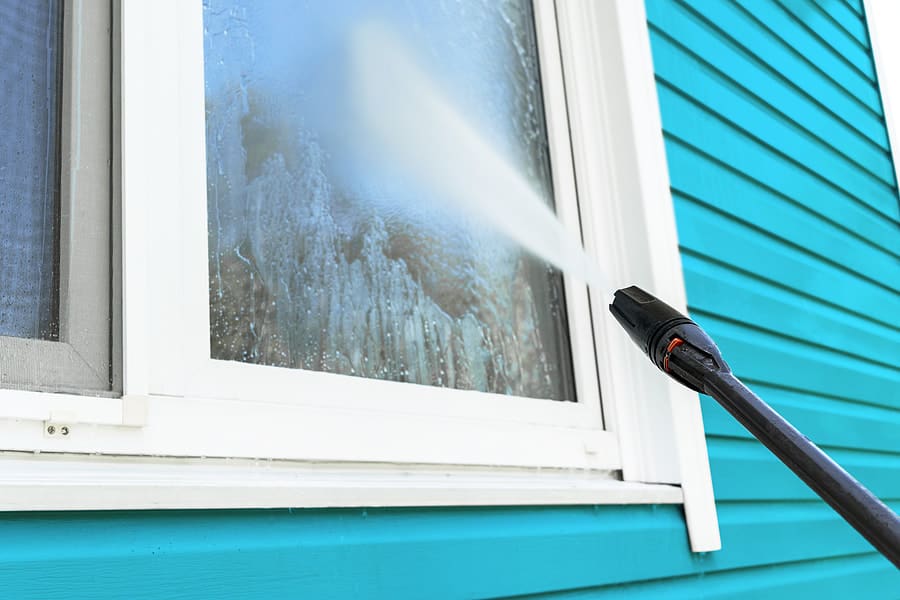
685 353
658 329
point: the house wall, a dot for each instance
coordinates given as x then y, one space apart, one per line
789 226
790 231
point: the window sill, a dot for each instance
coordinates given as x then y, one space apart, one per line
280 427
66 482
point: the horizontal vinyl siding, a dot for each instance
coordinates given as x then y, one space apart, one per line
789 226
427 553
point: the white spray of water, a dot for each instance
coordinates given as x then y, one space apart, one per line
413 125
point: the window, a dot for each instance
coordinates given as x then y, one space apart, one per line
287 299
323 258
55 205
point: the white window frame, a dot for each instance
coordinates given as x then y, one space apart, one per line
195 430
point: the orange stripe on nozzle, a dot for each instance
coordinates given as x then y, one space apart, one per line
672 345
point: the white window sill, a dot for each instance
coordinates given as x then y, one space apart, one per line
65 482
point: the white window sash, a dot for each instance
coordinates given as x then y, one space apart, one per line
442 415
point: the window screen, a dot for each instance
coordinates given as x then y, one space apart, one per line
30 91
56 246
319 260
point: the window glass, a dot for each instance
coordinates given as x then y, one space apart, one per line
321 260
30 88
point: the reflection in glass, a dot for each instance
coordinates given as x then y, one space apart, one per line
30 87
323 260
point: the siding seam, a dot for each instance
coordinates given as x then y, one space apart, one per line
769 106
782 241
771 69
744 133
768 188
786 288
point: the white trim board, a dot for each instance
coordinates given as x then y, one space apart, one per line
189 426
75 482
627 177
882 19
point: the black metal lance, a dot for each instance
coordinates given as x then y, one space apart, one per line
682 350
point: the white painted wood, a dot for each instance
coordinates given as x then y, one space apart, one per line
621 165
610 189
883 19
35 482
190 427
20 405
578 310
138 172
668 279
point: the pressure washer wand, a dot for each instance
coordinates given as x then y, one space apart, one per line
681 349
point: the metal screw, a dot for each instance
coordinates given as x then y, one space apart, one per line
64 430
51 429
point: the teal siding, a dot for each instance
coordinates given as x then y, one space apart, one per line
432 553
789 227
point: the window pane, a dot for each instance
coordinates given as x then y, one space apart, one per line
30 86
322 261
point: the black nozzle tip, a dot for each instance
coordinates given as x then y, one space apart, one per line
663 332
644 316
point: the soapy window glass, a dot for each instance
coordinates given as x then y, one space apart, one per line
30 89
323 256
